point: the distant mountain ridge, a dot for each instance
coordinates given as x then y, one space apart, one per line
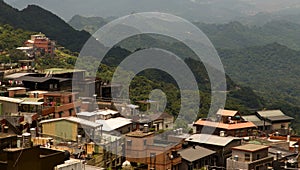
37 19
207 11
231 35
236 35
89 24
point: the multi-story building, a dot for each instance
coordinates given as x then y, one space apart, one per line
249 156
60 104
229 123
279 121
197 157
34 158
222 145
69 128
41 43
142 148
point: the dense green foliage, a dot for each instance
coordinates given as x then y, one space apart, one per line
10 39
273 70
34 18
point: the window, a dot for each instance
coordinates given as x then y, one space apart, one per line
247 157
60 114
70 112
257 157
237 133
134 125
129 142
242 132
57 100
145 142
152 155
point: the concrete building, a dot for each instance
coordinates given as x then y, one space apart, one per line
41 43
249 157
60 104
222 145
35 158
68 128
196 157
142 148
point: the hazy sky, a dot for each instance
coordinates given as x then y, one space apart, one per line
209 10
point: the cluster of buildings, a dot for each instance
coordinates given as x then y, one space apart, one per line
43 114
38 45
51 119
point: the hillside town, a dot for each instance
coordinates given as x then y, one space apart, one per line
43 119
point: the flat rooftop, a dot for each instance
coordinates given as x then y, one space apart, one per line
139 134
250 147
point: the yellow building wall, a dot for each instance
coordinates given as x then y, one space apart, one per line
63 129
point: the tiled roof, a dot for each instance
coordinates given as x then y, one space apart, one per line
227 112
226 126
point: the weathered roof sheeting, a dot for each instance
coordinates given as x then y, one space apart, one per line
75 120
227 112
211 139
254 119
274 115
250 147
195 153
113 123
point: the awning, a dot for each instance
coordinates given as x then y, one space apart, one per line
32 103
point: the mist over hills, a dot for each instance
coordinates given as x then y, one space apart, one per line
262 53
208 11
231 35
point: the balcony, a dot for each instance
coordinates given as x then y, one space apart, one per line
67 106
